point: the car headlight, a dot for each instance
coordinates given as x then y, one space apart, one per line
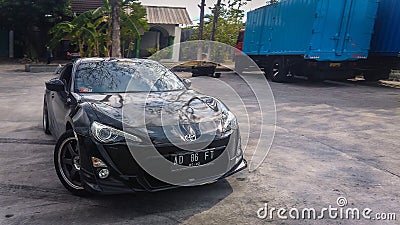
106 134
229 122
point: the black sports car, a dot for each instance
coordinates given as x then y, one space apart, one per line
125 125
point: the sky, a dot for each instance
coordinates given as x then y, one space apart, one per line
192 5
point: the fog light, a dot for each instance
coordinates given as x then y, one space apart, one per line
103 173
96 162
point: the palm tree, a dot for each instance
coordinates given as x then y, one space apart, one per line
215 20
115 28
95 31
132 22
80 30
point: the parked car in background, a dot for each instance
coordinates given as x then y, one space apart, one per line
73 55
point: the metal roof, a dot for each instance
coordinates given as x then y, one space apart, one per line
167 15
81 6
155 14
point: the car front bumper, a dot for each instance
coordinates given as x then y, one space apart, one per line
126 176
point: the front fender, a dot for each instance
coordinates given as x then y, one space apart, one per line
81 119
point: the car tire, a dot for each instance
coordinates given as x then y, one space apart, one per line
45 120
67 163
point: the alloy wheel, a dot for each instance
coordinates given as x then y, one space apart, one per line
69 163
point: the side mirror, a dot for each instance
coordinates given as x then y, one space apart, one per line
55 85
187 82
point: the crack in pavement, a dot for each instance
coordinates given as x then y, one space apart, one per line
345 153
26 141
27 191
15 187
357 158
39 193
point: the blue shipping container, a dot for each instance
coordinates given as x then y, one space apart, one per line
324 30
386 37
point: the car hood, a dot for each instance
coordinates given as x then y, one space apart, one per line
156 108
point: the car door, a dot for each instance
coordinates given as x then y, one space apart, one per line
60 102
48 101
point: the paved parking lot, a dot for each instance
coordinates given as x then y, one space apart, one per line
333 139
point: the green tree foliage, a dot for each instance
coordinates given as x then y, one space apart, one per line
91 31
31 21
230 21
133 23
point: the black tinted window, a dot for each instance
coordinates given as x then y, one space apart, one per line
124 76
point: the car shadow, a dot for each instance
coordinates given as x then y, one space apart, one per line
47 205
185 201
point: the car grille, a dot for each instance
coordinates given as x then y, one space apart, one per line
128 166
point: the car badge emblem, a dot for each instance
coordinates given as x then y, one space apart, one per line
190 137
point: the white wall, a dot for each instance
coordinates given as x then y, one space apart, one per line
151 38
177 40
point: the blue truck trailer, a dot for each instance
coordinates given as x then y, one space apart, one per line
319 39
384 54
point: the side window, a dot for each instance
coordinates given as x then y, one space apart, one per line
66 76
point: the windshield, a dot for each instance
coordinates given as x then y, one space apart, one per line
124 76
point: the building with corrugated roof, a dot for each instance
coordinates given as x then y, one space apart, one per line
165 25
165 28
80 6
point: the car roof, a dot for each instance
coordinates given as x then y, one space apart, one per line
98 59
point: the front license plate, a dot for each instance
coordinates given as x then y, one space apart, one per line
335 65
193 158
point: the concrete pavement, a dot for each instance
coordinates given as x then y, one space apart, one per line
334 139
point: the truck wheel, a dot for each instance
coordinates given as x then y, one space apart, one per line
278 71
